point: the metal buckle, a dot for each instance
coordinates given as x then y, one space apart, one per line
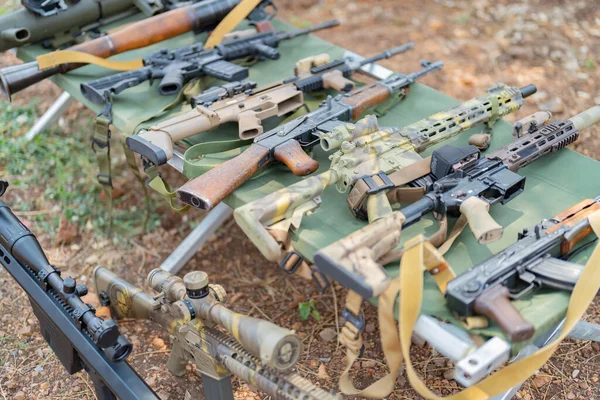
287 258
101 144
104 179
357 321
374 188
317 277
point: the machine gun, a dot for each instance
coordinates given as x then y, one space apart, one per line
287 143
460 182
79 338
247 105
367 152
539 258
176 67
199 17
191 309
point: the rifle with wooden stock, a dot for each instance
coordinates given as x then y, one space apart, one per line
244 103
198 17
287 143
460 183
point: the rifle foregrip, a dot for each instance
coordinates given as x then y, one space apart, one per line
496 305
208 190
336 80
295 158
482 225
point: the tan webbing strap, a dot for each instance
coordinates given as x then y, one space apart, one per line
357 198
101 147
230 21
159 185
131 161
411 297
59 57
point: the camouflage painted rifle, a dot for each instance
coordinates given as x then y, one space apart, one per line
366 150
462 183
539 258
190 309
287 143
174 68
199 17
244 103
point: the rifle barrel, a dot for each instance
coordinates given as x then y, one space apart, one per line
310 29
388 53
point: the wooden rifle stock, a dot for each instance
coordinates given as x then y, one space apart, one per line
572 216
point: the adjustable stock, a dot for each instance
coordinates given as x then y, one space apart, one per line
209 189
496 305
482 225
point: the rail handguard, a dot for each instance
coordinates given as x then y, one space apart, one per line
190 309
537 259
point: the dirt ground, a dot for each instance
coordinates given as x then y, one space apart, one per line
554 44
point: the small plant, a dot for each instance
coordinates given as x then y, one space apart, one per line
308 308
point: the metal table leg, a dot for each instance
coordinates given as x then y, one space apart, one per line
194 241
51 115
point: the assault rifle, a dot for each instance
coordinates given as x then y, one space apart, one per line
79 338
460 182
287 143
244 103
191 309
365 153
176 67
198 17
539 258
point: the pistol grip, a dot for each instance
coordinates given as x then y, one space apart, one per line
336 80
293 156
176 363
250 126
483 226
496 305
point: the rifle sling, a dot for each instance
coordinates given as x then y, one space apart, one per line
231 20
56 58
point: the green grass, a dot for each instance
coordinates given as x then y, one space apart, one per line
64 168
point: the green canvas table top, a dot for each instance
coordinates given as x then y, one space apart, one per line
554 183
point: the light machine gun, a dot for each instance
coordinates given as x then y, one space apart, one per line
366 152
80 339
190 309
244 103
460 182
176 67
539 258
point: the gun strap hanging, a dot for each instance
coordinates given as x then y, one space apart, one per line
101 147
419 254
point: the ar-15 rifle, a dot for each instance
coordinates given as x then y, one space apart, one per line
198 17
539 258
176 67
77 336
367 152
190 309
287 143
247 105
462 183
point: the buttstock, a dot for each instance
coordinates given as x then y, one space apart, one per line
295 158
209 189
496 305
482 225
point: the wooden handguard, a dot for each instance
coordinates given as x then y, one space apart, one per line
572 216
138 35
208 190
482 225
496 305
366 97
